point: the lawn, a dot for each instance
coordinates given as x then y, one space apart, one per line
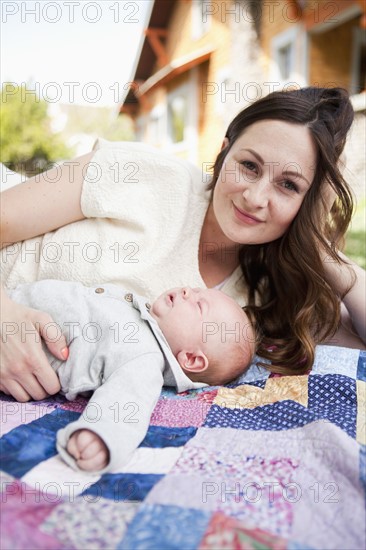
356 236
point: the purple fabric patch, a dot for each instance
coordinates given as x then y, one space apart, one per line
173 412
77 406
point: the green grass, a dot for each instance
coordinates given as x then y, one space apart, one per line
356 236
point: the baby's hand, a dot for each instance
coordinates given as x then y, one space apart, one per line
88 449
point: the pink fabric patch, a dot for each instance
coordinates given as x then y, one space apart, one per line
207 396
253 489
227 533
23 510
181 414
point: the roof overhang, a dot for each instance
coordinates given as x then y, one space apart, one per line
325 20
174 68
158 17
137 90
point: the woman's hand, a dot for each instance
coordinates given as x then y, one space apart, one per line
349 280
89 451
25 371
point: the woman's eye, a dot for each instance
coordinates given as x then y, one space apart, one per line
290 186
249 165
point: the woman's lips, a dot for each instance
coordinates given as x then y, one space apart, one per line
245 217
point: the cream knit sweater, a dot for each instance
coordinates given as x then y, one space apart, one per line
144 213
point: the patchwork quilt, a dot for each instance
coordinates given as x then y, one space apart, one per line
268 462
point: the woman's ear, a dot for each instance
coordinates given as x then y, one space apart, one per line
225 143
192 362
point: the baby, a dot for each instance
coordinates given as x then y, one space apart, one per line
123 351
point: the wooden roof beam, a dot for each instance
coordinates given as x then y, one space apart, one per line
154 36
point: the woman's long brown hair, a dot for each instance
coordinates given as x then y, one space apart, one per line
289 297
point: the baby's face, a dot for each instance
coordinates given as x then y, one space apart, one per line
201 319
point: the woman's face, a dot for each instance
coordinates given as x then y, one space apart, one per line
263 181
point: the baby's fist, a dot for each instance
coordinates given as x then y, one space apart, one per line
89 450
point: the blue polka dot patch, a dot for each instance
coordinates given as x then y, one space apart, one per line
331 397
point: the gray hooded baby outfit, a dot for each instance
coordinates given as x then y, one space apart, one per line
116 350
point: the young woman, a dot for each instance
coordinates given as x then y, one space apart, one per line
268 232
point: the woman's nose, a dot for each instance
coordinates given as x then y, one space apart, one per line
256 193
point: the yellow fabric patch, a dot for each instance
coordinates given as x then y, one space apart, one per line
276 389
361 412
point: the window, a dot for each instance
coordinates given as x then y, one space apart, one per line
140 128
284 59
181 118
289 57
157 120
201 17
358 83
177 116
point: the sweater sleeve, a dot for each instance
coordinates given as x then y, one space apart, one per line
119 411
122 176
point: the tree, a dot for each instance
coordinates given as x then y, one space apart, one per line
28 144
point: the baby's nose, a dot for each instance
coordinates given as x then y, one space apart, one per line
186 292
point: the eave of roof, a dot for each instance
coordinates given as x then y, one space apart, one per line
160 14
175 67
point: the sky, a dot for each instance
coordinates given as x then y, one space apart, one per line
73 51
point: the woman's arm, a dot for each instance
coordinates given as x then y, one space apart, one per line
41 204
350 276
343 277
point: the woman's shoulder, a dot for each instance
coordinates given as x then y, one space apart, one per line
148 159
127 146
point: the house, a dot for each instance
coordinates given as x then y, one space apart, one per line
315 42
178 94
202 61
320 43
